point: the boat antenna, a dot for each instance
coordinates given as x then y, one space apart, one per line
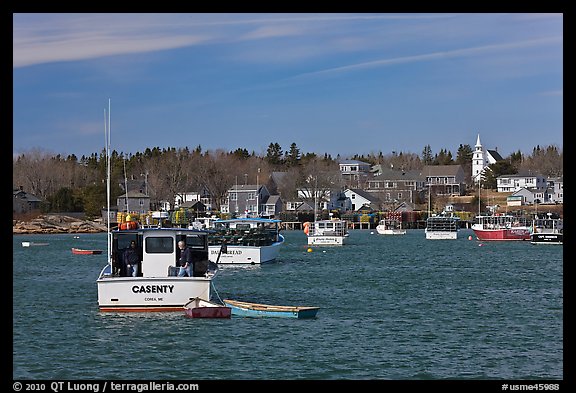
125 185
107 152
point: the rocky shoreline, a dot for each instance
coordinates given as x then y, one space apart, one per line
53 223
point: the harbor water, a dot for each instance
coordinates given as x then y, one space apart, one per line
391 308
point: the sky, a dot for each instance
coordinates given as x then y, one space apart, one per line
341 84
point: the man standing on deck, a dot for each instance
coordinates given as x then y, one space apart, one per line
185 260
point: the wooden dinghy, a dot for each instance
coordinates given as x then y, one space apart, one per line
200 308
246 309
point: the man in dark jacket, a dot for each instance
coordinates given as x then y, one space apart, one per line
185 260
131 260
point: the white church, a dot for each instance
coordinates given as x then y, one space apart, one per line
481 159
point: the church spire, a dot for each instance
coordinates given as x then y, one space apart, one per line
478 144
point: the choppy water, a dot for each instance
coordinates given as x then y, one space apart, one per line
392 308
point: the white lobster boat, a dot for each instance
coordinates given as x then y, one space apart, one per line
157 286
241 241
327 232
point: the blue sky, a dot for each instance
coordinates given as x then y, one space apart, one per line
331 83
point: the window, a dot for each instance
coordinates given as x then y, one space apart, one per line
233 196
195 241
159 245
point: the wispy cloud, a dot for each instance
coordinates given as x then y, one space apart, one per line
464 52
69 37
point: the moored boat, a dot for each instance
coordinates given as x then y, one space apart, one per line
247 241
81 251
442 227
327 232
32 244
246 309
388 226
155 285
501 227
547 230
200 308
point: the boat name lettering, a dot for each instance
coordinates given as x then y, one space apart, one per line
153 288
230 252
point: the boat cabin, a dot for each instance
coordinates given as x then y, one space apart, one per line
158 250
328 228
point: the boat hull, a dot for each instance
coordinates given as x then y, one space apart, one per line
390 231
198 308
514 233
150 294
245 309
441 235
78 251
242 255
547 238
325 240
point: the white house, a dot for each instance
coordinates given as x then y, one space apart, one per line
193 196
359 198
511 183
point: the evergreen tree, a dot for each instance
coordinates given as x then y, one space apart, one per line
427 155
274 154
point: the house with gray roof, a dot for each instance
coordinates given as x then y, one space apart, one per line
354 172
24 202
251 200
133 201
445 179
396 186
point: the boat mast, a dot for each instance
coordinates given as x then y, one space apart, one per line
107 151
315 195
479 188
125 185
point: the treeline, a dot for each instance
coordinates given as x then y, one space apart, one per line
79 184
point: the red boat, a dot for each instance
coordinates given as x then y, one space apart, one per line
200 308
501 227
80 251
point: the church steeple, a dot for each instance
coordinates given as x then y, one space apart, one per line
478 161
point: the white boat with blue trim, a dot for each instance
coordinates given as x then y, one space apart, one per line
244 241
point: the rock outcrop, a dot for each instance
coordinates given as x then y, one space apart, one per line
53 223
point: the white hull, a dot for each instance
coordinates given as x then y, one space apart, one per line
383 231
150 294
440 235
240 255
326 240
